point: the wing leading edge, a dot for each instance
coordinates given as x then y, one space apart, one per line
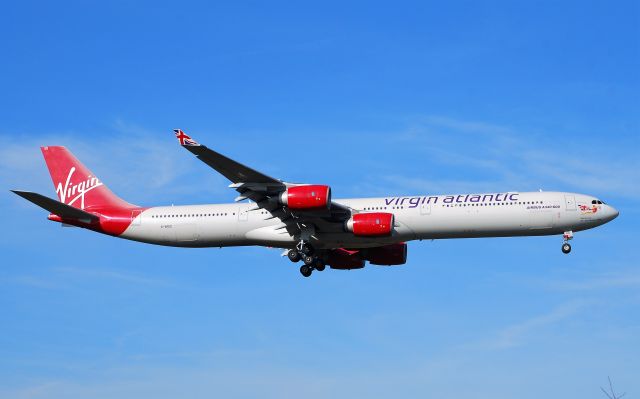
264 190
232 170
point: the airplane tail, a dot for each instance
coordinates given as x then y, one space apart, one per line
76 185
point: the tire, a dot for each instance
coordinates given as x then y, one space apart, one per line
293 255
305 270
566 248
320 266
309 260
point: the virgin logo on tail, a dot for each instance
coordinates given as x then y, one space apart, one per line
79 190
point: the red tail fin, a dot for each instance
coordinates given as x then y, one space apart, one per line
76 185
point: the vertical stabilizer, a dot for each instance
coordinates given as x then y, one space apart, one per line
76 185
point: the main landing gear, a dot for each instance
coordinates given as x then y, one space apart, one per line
306 270
305 252
566 247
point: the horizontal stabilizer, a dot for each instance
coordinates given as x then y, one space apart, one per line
56 207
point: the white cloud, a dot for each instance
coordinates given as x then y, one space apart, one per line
415 185
33 281
515 334
601 282
137 164
94 273
518 159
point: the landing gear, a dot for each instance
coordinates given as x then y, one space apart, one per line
309 260
293 255
305 252
307 249
566 247
306 270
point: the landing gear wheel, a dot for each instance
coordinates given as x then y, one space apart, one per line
307 249
566 248
305 270
309 260
319 265
293 255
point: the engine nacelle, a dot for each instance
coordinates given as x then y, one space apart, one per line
307 197
374 224
344 260
394 254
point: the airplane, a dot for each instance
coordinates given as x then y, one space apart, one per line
304 220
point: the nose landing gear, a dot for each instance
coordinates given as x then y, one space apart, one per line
566 247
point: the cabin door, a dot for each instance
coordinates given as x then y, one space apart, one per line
570 202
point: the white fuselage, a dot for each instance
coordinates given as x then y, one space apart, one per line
416 218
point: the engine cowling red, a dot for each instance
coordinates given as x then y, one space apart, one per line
307 197
343 259
389 255
374 224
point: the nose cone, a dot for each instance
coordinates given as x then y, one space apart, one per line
612 213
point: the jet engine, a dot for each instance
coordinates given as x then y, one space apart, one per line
307 197
374 224
394 254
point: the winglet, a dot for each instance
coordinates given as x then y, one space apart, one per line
184 139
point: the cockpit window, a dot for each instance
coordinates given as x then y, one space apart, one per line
594 202
597 202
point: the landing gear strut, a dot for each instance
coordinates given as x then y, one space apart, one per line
566 247
305 248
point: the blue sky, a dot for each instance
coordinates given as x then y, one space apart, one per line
371 98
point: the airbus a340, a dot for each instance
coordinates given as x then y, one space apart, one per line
305 220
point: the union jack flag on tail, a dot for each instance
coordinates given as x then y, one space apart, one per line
184 139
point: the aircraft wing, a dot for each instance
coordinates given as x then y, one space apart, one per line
232 170
265 190
58 208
